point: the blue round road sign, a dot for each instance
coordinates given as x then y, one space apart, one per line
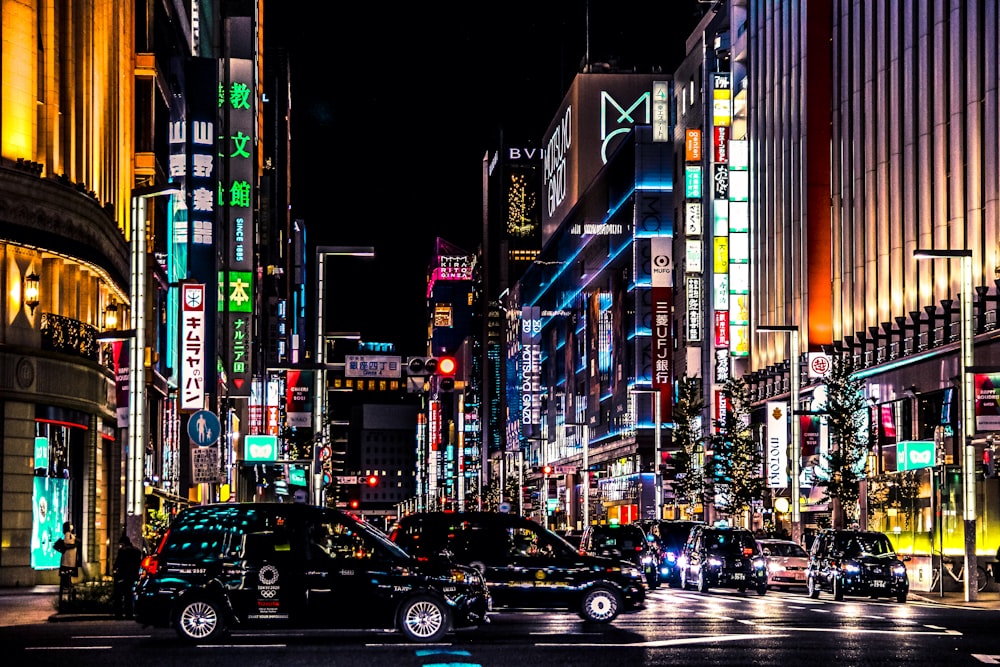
204 428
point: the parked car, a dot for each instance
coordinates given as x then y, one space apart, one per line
670 536
856 562
722 557
786 562
526 565
624 541
290 565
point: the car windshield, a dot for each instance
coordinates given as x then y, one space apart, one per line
619 538
785 549
730 541
865 544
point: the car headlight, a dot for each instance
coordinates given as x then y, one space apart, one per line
631 571
899 569
852 568
714 562
671 557
759 563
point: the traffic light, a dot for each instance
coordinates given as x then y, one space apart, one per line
353 496
446 369
371 480
421 365
546 470
989 461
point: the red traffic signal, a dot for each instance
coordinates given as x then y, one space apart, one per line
447 366
546 470
371 480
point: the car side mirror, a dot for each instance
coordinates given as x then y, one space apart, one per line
903 557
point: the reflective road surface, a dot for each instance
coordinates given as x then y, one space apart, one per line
676 628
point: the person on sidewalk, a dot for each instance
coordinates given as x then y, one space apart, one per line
126 573
67 564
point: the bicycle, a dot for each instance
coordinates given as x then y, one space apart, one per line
982 576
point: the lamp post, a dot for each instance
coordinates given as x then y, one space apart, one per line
320 397
795 445
968 412
135 461
658 426
585 483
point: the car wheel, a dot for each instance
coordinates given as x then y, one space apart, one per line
761 589
702 581
838 588
901 596
682 580
424 619
742 589
653 581
600 605
200 621
812 587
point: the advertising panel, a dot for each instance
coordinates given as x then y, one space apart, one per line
531 371
663 338
777 445
193 348
50 505
594 117
298 397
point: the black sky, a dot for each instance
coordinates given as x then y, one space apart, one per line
394 107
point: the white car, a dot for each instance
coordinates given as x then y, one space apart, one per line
786 563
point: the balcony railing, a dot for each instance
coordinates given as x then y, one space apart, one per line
69 336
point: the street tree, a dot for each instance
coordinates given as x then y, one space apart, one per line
844 465
689 483
737 463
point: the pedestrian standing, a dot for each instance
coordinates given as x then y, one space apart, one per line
126 573
67 564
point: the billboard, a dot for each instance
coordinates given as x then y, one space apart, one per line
596 114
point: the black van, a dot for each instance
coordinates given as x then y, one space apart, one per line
856 562
526 565
722 556
291 565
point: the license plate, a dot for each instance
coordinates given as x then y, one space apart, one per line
878 583
739 576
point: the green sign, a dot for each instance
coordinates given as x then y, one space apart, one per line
261 449
914 454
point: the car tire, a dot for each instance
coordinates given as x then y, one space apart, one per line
901 596
761 589
812 587
600 604
424 619
200 621
653 581
702 581
838 588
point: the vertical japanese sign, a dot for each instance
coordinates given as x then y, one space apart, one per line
192 388
194 155
531 371
663 340
237 107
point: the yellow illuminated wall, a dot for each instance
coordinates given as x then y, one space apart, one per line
68 101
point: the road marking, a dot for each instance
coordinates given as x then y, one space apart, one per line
852 631
68 648
673 642
988 659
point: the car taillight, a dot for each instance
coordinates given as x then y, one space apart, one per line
150 564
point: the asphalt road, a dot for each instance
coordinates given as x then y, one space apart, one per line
675 628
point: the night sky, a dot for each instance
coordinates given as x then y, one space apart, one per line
394 107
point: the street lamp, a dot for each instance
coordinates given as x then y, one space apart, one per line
657 425
795 445
585 486
968 412
135 474
320 398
